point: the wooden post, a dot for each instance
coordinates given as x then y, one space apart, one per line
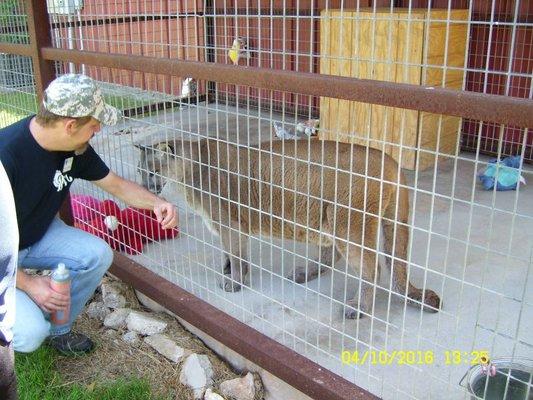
40 36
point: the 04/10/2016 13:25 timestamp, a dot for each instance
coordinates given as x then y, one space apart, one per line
414 357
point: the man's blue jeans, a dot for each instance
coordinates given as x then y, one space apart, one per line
86 256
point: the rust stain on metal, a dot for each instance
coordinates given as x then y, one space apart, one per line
485 107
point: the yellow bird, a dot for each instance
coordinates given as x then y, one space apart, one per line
235 52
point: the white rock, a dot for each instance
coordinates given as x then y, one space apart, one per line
165 346
131 338
97 310
144 323
210 395
117 319
111 295
239 388
197 374
115 301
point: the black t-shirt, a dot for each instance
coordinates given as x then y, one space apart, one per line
40 178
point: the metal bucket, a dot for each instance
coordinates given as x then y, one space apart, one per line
512 380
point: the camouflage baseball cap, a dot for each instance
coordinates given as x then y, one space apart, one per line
73 95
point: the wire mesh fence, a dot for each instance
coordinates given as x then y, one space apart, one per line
16 72
335 227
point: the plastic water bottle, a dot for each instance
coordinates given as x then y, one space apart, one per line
61 283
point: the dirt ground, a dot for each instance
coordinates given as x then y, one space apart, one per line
113 358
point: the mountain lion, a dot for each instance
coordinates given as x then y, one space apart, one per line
300 190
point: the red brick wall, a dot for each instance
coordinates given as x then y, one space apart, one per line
181 38
141 7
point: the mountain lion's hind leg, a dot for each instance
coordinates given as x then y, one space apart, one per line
328 256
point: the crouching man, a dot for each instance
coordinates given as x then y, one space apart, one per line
42 155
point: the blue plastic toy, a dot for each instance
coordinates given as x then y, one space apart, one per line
505 174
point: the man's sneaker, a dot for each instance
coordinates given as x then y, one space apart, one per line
71 344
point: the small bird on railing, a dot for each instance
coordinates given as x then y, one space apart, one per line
188 87
238 50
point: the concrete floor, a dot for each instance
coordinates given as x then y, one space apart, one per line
475 247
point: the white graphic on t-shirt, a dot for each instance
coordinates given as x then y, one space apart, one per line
60 180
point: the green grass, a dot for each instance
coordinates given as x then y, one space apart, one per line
38 379
16 105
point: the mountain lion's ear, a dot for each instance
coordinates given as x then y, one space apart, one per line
164 147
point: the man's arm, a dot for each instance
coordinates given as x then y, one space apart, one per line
137 196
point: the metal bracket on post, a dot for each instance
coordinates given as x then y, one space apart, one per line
68 9
64 6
